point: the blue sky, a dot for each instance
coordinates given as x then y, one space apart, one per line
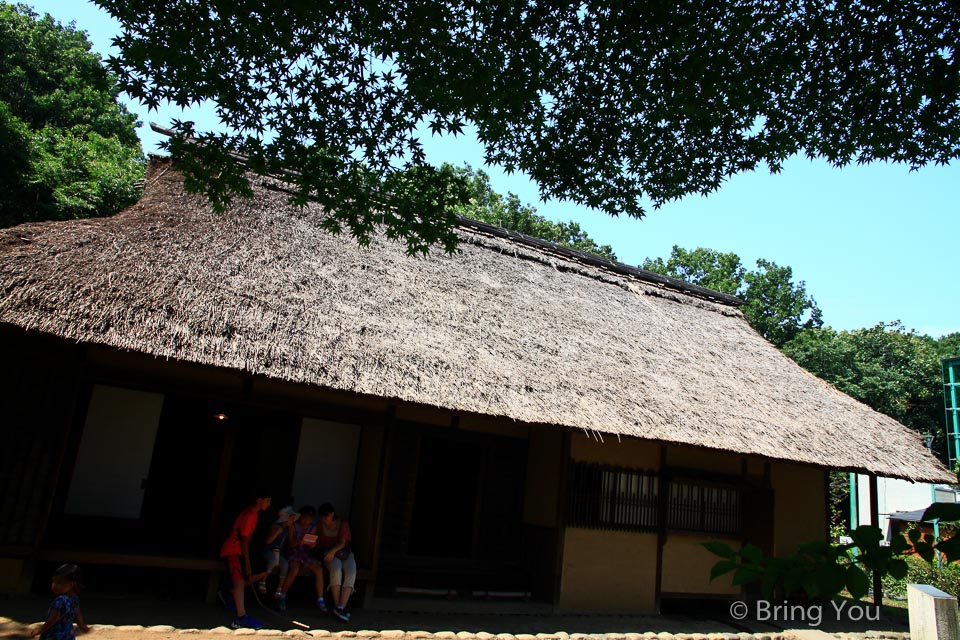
873 243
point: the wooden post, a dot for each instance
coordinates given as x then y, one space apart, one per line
875 521
220 493
663 498
381 502
827 505
561 519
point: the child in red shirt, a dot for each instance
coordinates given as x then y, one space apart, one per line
236 552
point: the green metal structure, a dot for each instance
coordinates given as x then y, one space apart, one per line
951 403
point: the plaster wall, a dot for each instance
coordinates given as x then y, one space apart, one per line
608 571
800 509
687 565
894 495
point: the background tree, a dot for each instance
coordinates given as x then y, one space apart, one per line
895 371
486 205
773 305
949 345
708 268
890 369
69 149
887 367
597 102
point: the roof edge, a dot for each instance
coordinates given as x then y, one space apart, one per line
596 261
545 245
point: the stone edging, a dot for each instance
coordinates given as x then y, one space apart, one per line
397 634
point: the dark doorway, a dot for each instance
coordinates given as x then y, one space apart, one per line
208 460
445 499
183 476
453 511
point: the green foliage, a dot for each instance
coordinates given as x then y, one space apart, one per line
919 571
486 205
599 103
708 268
70 150
776 307
839 503
817 569
946 512
773 305
894 371
949 345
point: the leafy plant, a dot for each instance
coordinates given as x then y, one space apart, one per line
600 103
817 569
950 547
946 578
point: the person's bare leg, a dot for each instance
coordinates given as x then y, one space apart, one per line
238 588
318 579
257 577
344 596
291 576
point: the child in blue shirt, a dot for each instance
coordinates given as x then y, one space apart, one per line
65 608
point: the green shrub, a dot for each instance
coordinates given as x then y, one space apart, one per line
920 571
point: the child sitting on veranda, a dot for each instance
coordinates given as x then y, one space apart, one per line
65 608
301 543
276 550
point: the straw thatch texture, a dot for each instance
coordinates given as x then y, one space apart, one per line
503 328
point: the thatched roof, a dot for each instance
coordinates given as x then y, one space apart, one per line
505 328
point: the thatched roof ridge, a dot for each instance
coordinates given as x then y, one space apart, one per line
503 328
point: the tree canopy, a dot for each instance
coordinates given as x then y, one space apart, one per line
70 150
773 305
600 103
888 367
486 205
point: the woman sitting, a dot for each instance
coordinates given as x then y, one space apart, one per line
334 540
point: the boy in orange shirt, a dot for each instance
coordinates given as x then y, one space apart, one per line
236 552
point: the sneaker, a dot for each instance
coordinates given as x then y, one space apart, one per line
245 622
279 594
262 587
341 614
322 605
282 602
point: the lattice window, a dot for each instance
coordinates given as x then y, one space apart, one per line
700 506
604 497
